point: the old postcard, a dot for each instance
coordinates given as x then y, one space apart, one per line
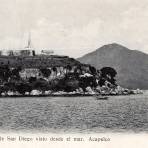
73 73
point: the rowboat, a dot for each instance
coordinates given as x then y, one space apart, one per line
100 97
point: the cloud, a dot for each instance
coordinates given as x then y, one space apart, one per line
74 27
65 40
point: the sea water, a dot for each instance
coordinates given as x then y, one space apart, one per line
75 114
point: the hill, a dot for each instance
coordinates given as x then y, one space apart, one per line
37 61
131 65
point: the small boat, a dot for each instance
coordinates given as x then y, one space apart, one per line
100 97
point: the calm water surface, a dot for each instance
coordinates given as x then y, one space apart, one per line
75 114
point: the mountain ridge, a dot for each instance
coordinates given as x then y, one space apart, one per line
131 65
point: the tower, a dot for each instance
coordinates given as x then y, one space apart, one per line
29 48
29 44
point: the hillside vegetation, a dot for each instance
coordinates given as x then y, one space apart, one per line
131 65
37 61
53 74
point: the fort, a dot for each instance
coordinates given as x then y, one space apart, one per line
28 58
27 51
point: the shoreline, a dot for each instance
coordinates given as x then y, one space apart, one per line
64 95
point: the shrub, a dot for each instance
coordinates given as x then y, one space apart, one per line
23 87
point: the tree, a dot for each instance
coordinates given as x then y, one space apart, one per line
69 67
56 84
32 79
84 82
108 73
15 73
23 87
46 72
41 85
92 70
70 82
5 72
54 69
10 86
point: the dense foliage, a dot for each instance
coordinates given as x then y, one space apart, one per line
72 80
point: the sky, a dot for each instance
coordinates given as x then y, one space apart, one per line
73 27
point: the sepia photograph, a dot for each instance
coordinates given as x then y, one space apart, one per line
73 67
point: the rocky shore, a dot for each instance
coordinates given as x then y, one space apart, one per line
79 92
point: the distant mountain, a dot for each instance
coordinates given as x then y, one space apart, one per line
131 65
